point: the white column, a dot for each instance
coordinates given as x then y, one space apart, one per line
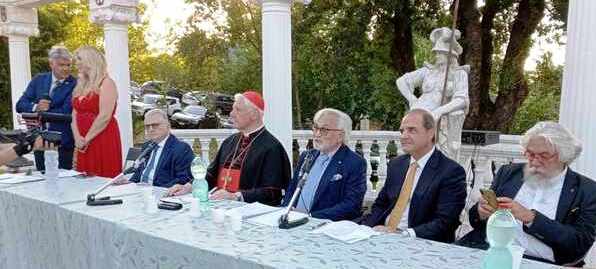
578 98
18 24
277 69
115 18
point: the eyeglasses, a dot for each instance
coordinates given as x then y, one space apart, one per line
323 131
152 126
543 156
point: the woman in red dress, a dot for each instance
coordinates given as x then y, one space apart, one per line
95 130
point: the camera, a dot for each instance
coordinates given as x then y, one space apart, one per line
36 123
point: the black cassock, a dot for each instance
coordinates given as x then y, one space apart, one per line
264 166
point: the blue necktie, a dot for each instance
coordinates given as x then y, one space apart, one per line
312 182
150 165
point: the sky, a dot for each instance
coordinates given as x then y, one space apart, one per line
170 16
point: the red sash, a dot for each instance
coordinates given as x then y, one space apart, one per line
228 179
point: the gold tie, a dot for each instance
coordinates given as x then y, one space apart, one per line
402 200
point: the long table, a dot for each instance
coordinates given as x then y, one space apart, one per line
48 225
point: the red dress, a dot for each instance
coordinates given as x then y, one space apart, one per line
103 156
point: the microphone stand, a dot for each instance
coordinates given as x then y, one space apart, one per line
284 222
93 200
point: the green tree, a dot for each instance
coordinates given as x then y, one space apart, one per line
544 96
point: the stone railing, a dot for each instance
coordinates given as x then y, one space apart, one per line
378 146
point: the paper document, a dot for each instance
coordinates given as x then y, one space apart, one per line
272 219
68 173
18 178
346 231
251 210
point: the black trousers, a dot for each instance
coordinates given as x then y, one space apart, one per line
64 159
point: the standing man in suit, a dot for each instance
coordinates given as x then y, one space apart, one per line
336 184
425 191
52 92
169 163
555 206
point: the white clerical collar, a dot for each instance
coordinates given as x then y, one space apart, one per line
254 131
424 159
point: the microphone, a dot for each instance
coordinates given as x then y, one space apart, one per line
143 156
284 222
93 200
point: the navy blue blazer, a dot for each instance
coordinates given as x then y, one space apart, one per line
570 234
437 201
173 166
341 189
61 97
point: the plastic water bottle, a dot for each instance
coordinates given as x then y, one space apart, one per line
200 188
500 233
51 164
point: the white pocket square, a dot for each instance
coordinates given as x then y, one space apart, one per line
336 177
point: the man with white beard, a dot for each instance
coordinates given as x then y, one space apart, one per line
555 206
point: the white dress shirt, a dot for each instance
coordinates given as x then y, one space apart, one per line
403 222
542 196
157 156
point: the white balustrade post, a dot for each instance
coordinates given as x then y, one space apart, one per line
205 141
115 16
382 168
18 24
366 145
302 144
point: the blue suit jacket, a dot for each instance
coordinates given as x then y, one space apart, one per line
341 189
61 97
437 201
570 234
173 166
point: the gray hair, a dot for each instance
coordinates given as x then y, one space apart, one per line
558 137
246 103
59 52
428 121
343 121
158 112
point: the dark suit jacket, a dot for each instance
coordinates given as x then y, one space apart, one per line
572 232
173 166
61 102
341 189
437 201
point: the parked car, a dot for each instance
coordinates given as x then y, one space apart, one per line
134 90
193 98
225 122
190 116
222 103
147 102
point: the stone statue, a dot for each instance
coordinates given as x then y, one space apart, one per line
451 109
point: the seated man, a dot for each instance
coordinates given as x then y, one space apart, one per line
556 205
251 165
336 183
169 163
425 191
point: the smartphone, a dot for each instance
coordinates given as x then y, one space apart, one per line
490 196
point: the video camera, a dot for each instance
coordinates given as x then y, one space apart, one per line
36 126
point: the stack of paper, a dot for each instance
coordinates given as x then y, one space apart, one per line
251 210
346 231
272 219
